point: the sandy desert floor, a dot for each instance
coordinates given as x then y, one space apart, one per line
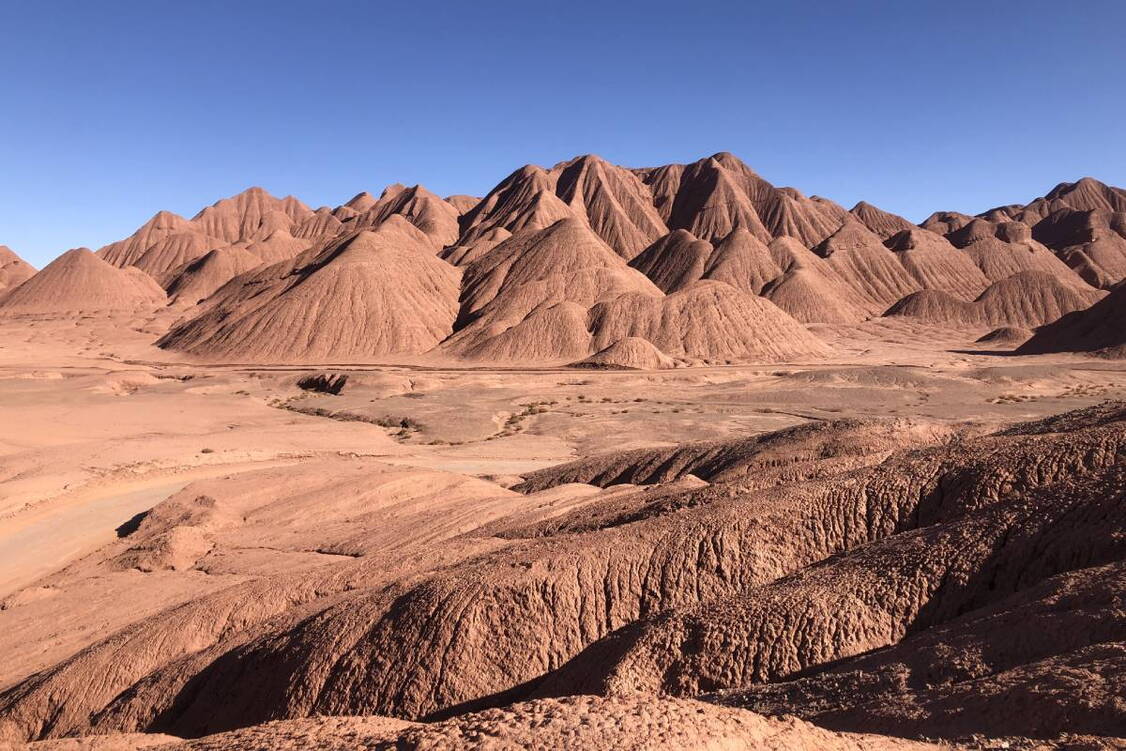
99 427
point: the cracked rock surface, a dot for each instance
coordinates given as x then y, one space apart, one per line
823 572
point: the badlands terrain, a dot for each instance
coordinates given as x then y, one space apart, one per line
608 458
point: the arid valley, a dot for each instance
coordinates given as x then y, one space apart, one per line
607 458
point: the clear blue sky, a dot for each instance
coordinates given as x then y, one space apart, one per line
113 110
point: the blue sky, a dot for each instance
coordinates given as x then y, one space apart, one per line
113 110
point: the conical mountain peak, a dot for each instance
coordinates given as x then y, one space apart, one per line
362 201
80 281
13 269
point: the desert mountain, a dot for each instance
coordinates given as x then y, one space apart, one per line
880 222
524 200
1086 194
547 245
274 229
811 297
713 196
364 201
535 288
631 353
1091 242
360 296
1083 223
79 281
674 261
437 219
462 203
999 259
175 250
563 294
250 215
741 260
708 319
936 264
13 269
945 222
324 222
197 280
859 259
168 241
462 255
1006 335
612 200
564 261
278 245
809 289
1100 327
976 229
678 259
1026 300
128 251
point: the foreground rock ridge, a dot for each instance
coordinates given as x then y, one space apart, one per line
706 262
828 571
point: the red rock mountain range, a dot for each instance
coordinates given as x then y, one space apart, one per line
704 262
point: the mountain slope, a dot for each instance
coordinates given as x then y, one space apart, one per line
513 290
1026 300
196 280
742 261
79 281
674 261
373 293
613 201
13 269
1100 327
936 264
252 214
